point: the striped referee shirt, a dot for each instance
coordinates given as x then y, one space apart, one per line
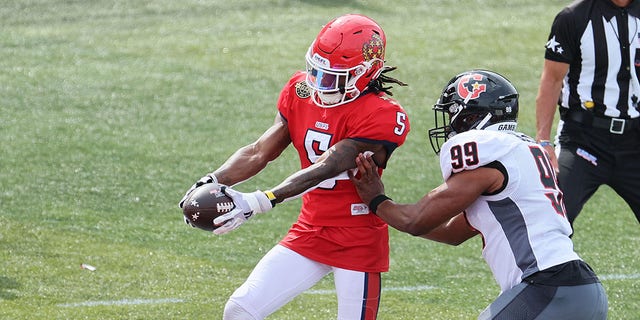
601 44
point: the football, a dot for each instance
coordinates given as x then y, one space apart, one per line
204 204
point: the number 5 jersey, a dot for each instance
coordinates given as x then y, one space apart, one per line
334 226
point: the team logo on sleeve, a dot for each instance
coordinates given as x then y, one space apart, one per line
302 90
471 86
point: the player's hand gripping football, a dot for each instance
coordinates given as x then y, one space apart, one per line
209 178
247 205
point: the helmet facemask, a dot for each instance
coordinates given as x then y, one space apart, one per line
332 86
442 130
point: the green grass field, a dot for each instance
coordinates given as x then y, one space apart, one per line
110 109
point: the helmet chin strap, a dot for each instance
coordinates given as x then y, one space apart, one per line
334 99
330 98
483 123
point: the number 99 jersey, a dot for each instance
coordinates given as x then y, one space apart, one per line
523 224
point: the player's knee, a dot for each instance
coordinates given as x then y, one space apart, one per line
233 311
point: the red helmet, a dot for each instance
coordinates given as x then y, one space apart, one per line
345 57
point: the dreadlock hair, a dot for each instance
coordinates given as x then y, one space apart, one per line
377 85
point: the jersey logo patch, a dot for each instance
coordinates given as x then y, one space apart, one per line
322 125
587 156
302 90
359 209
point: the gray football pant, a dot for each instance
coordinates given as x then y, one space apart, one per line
529 302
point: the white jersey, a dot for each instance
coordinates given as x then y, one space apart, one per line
523 225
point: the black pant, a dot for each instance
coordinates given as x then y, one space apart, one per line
590 157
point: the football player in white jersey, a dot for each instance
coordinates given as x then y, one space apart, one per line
500 184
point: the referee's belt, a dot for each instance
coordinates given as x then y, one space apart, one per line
614 125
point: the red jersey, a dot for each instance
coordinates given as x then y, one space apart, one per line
352 237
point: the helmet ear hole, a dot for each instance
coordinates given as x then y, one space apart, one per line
377 72
466 121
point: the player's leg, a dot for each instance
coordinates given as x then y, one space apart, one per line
279 276
584 302
358 294
532 302
509 299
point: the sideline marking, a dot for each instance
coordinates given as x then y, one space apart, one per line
619 276
416 288
134 302
123 302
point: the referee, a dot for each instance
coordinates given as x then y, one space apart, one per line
591 70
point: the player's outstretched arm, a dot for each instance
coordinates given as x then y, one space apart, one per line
247 161
334 163
435 209
453 232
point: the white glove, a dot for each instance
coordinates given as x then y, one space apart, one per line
209 178
247 205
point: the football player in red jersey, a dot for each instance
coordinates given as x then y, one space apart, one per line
339 107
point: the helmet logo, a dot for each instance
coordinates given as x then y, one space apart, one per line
321 61
470 87
302 90
373 49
